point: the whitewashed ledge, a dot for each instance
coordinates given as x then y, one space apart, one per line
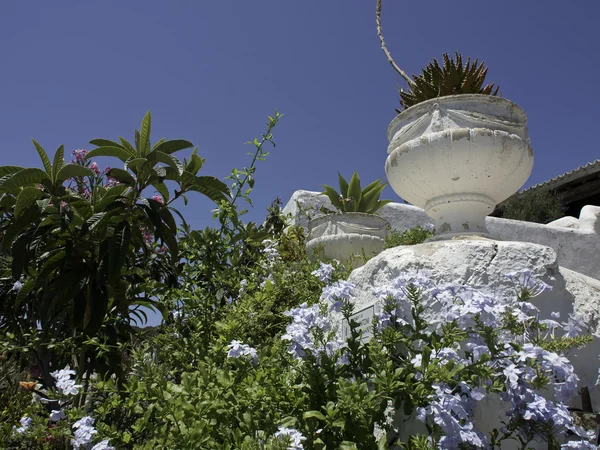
575 241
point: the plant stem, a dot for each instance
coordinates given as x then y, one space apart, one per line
386 51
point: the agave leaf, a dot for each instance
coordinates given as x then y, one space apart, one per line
379 205
334 197
343 185
354 192
370 199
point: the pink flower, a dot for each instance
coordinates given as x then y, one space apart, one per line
94 168
159 198
79 155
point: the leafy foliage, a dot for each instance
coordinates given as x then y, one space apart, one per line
412 236
534 206
81 247
451 78
352 198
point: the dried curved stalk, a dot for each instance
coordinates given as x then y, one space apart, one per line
386 51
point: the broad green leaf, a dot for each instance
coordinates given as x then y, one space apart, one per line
119 249
9 170
162 189
104 143
157 143
111 195
212 187
23 178
127 146
121 176
334 197
167 217
43 157
315 414
25 220
145 129
71 171
117 152
25 290
343 185
58 163
173 146
354 191
51 263
95 310
135 164
171 161
26 198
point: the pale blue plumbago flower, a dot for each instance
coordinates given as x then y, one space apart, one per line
324 272
17 286
84 432
305 321
237 350
579 445
336 293
25 425
295 436
57 415
574 326
429 227
64 383
452 413
524 279
103 446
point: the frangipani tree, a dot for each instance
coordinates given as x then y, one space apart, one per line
80 245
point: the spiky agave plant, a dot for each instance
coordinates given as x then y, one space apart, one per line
452 78
352 198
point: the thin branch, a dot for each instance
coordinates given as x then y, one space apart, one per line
386 51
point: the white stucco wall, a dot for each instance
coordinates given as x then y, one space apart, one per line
577 243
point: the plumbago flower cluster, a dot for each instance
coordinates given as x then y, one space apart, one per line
58 401
444 349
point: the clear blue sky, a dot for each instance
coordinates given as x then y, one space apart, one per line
211 71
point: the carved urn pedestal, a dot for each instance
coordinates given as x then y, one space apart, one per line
457 157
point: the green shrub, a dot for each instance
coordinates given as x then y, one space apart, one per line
534 206
412 236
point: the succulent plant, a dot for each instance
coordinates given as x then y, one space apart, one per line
449 79
352 198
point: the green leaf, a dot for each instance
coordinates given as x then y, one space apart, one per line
73 170
373 185
135 164
370 199
121 176
334 197
171 161
25 289
58 163
26 198
343 185
315 414
25 220
354 191
104 143
144 144
119 250
162 189
43 157
173 146
378 206
117 152
210 186
127 146
9 170
23 178
347 445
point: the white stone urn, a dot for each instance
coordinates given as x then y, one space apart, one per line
347 235
457 157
